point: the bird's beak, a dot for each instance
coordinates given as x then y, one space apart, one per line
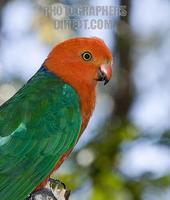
105 73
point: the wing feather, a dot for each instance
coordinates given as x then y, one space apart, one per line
37 126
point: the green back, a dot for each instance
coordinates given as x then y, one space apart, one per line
37 126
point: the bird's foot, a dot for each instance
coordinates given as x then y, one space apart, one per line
56 183
58 188
54 190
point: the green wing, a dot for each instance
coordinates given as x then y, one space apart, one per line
37 126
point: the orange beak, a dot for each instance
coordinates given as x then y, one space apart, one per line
105 73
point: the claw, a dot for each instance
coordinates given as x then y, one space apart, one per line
54 183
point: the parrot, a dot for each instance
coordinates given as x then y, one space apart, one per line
41 124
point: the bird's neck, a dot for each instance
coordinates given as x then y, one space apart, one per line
85 88
87 95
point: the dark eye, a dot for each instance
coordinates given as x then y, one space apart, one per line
86 56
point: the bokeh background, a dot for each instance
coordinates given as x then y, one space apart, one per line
125 152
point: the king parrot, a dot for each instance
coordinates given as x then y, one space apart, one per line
42 122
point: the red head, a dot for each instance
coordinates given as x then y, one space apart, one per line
81 61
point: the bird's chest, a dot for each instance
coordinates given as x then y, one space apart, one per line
87 106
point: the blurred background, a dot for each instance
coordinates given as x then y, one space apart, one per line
125 152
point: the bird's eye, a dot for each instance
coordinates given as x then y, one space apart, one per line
86 56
